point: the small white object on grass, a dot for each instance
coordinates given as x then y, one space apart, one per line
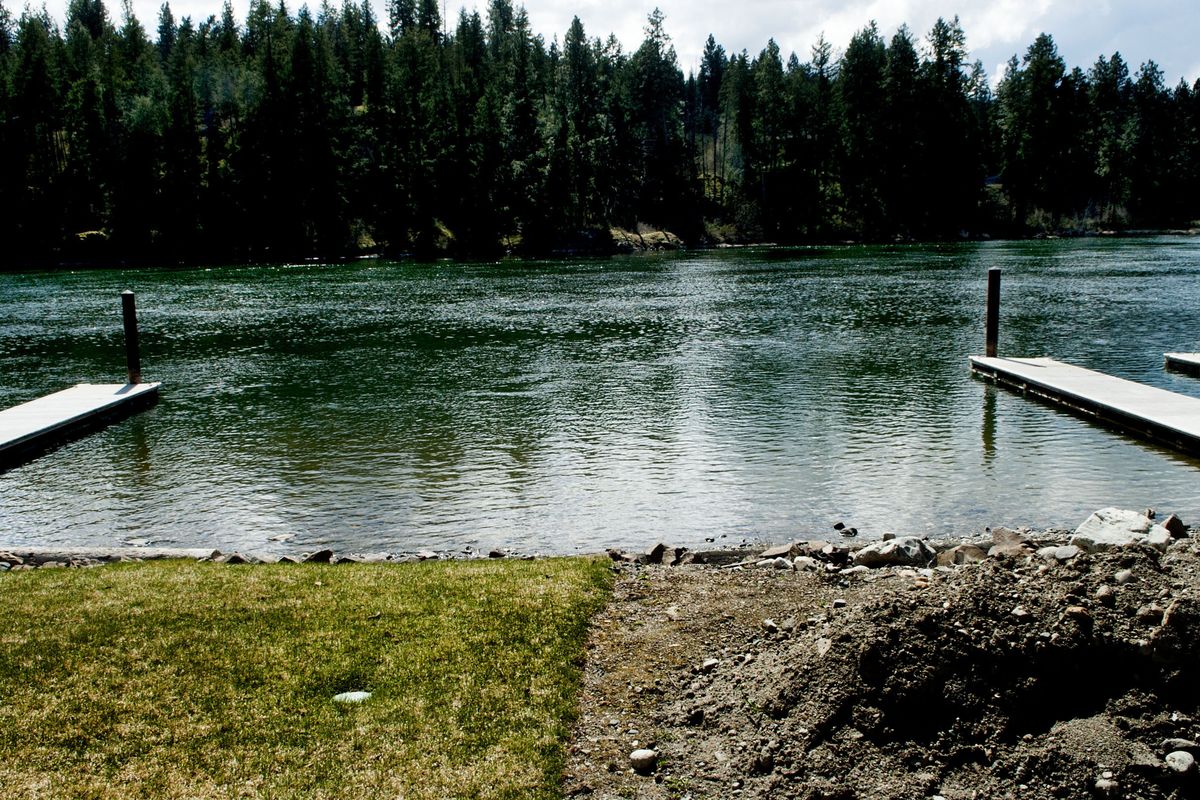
352 697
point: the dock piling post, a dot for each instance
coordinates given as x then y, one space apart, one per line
992 320
133 358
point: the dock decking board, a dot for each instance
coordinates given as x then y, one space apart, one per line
1184 362
1155 414
40 424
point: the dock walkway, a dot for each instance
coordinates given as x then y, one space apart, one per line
1156 414
1184 362
40 424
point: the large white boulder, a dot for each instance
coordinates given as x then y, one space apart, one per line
1112 528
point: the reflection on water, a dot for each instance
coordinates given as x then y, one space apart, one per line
558 406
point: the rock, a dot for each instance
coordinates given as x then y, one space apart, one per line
236 558
838 526
643 761
53 564
806 562
1160 538
906 552
887 537
319 557
427 555
1171 745
1107 786
839 603
1008 550
1079 613
770 626
1105 595
781 563
1066 552
858 570
961 554
1150 614
352 697
1111 528
837 553
13 560
288 560
1022 614
709 664
1174 526
1180 761
1005 536
781 551
655 554
1122 576
500 554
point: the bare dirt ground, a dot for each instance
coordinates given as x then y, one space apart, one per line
1023 675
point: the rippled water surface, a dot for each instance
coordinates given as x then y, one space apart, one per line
563 406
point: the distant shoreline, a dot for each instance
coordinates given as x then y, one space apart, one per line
653 241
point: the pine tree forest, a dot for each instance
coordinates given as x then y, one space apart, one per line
337 133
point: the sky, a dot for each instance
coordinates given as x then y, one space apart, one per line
1167 31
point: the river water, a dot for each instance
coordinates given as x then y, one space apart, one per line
565 406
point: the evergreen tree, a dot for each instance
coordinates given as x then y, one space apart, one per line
861 81
166 33
657 100
1109 110
901 135
402 17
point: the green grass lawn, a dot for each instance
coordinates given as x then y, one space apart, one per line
178 679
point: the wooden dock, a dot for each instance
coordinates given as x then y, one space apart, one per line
39 425
1183 362
1158 415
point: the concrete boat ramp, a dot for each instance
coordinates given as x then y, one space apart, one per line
1158 415
42 424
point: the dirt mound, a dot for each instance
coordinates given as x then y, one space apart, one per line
1023 676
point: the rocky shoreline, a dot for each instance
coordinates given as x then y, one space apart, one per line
1106 528
22 558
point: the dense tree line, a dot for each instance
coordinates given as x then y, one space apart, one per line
296 135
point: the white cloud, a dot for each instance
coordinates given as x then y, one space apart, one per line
1165 30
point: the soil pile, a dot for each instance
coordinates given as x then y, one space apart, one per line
1041 671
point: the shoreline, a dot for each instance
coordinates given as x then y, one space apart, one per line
846 552
623 243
